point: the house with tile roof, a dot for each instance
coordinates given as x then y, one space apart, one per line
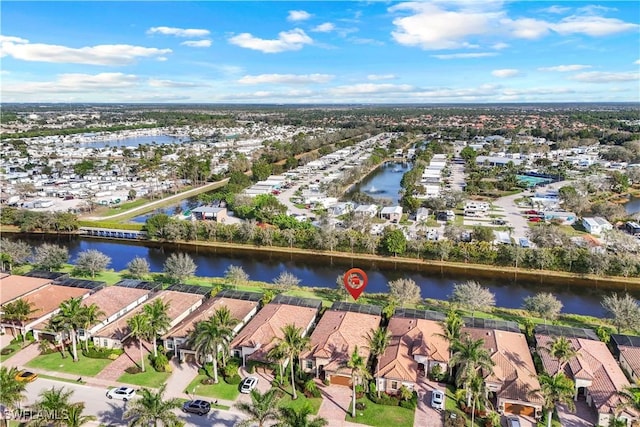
263 331
513 379
627 349
242 305
12 286
181 304
596 375
415 347
334 339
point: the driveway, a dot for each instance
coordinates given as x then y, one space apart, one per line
335 404
584 416
426 416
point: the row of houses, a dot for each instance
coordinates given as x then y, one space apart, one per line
416 345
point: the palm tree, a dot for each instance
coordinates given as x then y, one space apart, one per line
358 366
263 408
152 409
207 339
379 340
90 316
478 392
225 321
70 315
51 404
293 343
139 327
560 348
469 356
159 321
18 312
278 354
555 389
452 327
74 416
12 391
631 397
291 417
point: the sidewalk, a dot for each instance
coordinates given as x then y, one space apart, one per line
23 356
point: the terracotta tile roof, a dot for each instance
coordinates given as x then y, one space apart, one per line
632 356
239 310
179 302
514 370
46 300
12 286
336 336
263 329
594 360
410 337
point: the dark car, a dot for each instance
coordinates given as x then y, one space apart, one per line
200 407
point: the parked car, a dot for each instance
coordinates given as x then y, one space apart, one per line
524 242
499 222
248 384
535 219
531 212
26 376
437 399
122 393
513 422
200 407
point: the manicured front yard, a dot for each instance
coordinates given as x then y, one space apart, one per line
287 400
149 378
16 347
222 390
54 362
382 415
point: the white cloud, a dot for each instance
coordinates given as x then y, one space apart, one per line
565 68
327 27
370 88
592 25
116 54
505 73
75 82
482 91
432 28
178 32
637 62
197 43
555 9
605 77
465 55
526 28
376 77
500 46
287 40
170 83
285 79
298 15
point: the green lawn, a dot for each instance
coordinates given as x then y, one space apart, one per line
15 347
149 378
222 390
84 366
382 415
287 400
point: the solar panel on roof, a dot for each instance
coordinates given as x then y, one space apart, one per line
411 313
357 308
301 302
626 340
566 331
51 275
241 295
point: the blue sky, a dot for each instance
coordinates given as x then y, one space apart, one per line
320 52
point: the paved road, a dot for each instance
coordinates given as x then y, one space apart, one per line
110 412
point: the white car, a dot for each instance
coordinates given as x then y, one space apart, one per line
437 399
513 422
248 384
122 393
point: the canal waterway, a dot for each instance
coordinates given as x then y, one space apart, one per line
213 263
136 141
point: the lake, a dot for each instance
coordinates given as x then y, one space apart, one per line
633 205
384 182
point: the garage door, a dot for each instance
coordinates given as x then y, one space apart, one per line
340 380
514 409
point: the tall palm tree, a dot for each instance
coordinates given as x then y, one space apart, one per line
50 406
378 340
12 391
90 316
293 343
291 417
17 312
157 313
207 339
70 315
560 348
469 356
555 389
225 321
358 366
139 329
478 393
262 409
452 327
153 409
631 397
75 418
278 353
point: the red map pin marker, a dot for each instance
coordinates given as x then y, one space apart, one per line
355 280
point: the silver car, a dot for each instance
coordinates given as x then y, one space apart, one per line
248 384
